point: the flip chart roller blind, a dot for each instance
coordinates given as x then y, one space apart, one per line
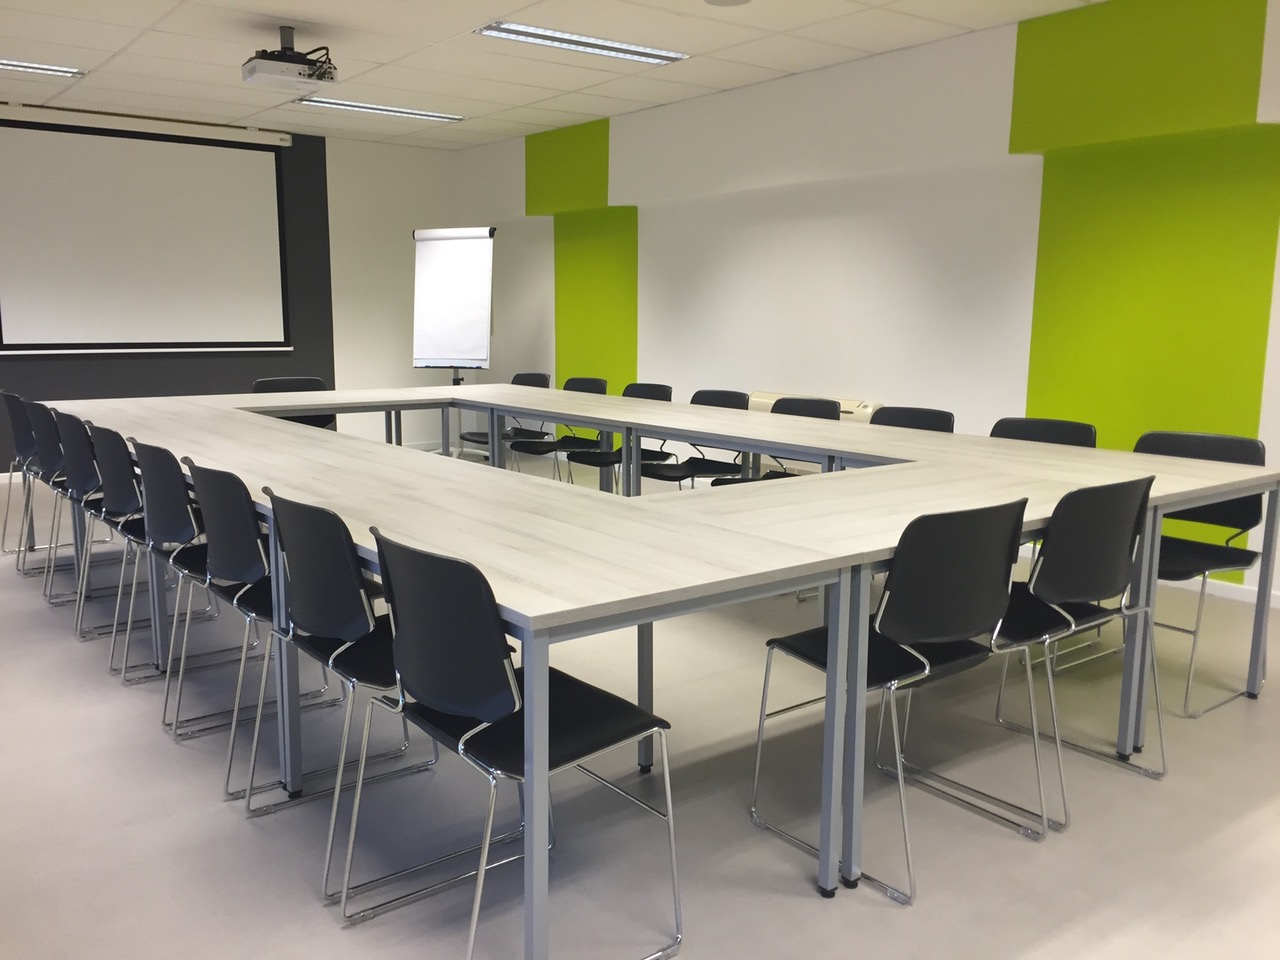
452 297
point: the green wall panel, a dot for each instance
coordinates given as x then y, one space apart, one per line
1136 68
596 295
567 169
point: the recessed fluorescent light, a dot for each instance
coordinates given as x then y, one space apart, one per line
379 109
47 69
574 41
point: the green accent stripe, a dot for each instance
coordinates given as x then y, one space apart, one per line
567 169
1136 68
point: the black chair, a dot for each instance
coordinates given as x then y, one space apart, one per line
915 418
701 466
330 618
612 459
1070 433
1186 559
1079 582
458 685
553 446
814 407
480 438
239 574
121 512
49 468
81 485
293 385
948 584
174 531
24 450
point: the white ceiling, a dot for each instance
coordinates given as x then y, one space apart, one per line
180 59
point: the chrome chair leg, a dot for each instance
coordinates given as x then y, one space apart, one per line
8 498
249 622
182 657
480 871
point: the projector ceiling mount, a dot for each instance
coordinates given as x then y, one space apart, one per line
289 69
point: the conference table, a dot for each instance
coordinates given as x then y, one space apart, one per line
566 561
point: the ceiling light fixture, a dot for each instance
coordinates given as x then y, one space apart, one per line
381 110
47 69
574 41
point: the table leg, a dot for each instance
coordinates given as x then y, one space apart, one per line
644 690
857 628
606 474
840 599
630 468
288 721
1129 731
497 452
534 658
77 548
388 431
1262 608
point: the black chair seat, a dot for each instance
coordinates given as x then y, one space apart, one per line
367 661
191 560
767 475
254 599
1029 619
707 467
671 472
536 448
611 458
1186 559
887 661
583 721
130 527
572 442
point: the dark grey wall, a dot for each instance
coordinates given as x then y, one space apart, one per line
308 301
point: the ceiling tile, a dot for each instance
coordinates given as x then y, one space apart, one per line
428 142
533 51
62 55
321 117
649 89
416 21
507 128
880 30
129 13
983 14
769 15
185 89
29 88
435 82
147 104
466 60
594 105
788 53
412 100
542 116
713 72
22 25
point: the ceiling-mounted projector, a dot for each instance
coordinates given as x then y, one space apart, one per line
288 69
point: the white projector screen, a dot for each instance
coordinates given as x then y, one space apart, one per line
452 297
124 242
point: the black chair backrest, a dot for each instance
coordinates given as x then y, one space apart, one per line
234 536
49 456
120 494
532 380
647 391
1069 433
587 385
166 503
730 399
81 470
449 646
292 385
815 407
1087 553
915 418
1243 513
24 441
950 575
324 586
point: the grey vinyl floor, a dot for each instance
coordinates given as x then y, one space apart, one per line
115 840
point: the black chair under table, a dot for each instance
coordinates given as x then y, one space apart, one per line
1079 582
1221 524
816 408
947 586
458 685
47 467
480 438
296 385
1070 433
554 446
24 451
692 468
915 418
612 459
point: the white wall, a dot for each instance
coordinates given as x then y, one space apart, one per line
859 231
378 194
